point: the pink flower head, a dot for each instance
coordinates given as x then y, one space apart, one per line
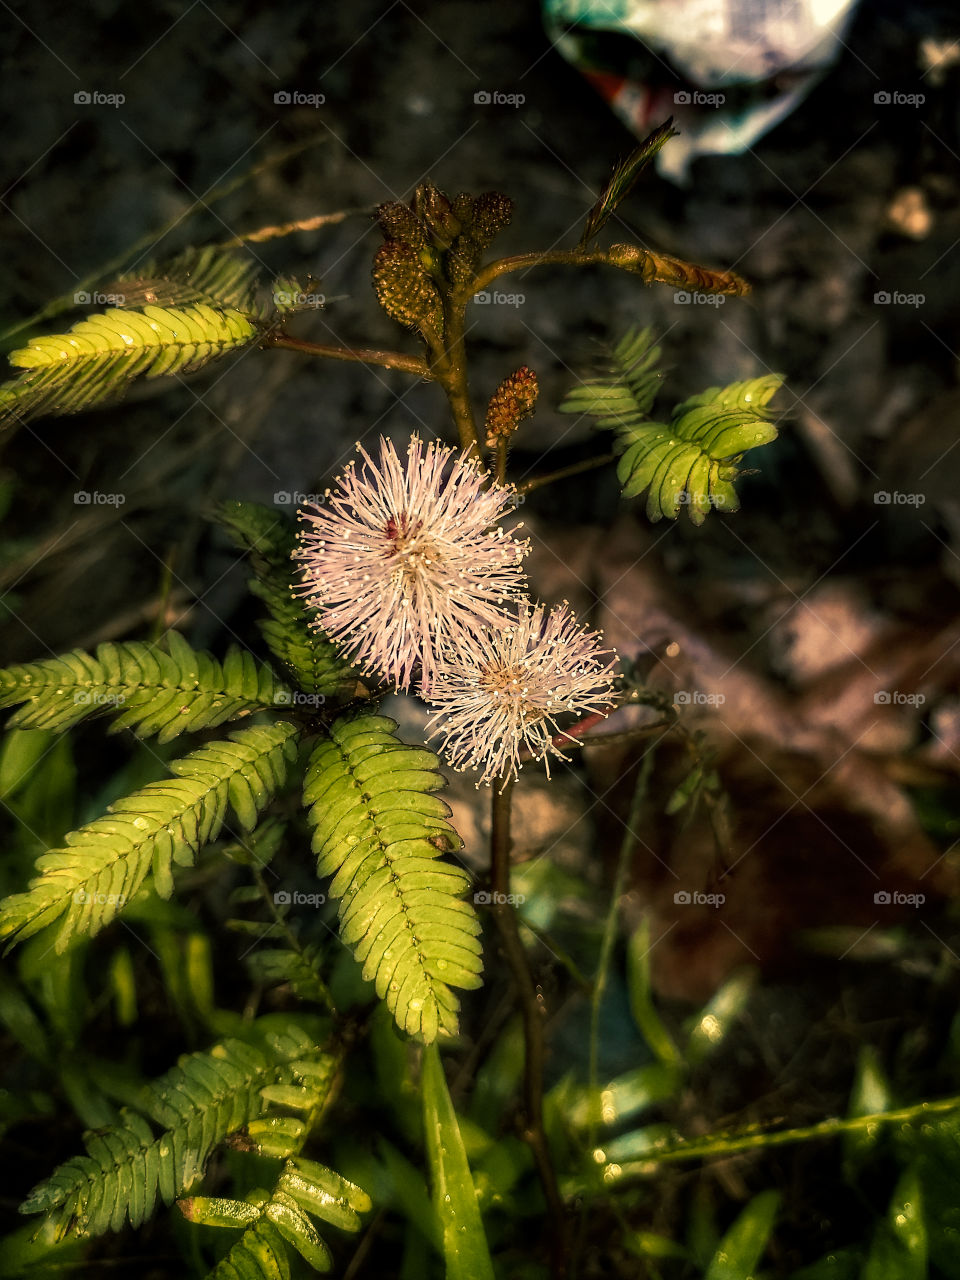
500 696
401 560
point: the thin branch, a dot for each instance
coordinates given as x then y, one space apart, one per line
263 234
533 1012
363 355
589 465
523 261
627 845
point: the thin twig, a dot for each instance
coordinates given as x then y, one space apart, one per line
263 234
627 845
533 1012
590 465
363 355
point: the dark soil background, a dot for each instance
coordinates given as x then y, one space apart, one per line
801 610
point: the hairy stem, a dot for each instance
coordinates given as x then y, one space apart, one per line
533 1012
501 464
363 355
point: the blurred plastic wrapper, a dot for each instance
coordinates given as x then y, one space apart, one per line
726 70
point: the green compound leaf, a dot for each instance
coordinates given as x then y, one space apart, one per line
103 354
147 689
379 831
624 394
196 1104
314 664
218 277
692 461
89 881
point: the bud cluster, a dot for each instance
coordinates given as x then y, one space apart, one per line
432 246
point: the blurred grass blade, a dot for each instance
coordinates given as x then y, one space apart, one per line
742 1247
644 1011
464 1243
869 1096
719 1014
900 1245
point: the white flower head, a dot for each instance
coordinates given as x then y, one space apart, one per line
399 561
504 695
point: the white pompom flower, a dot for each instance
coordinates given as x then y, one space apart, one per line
503 696
399 560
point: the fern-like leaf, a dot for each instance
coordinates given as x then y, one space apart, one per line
303 1188
102 355
379 830
695 459
212 275
624 394
150 691
89 881
196 1105
299 969
314 663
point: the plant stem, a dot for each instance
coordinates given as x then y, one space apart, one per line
533 1011
589 465
627 845
523 261
501 467
450 369
364 355
747 1140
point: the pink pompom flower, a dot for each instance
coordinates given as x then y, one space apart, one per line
498 698
401 560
